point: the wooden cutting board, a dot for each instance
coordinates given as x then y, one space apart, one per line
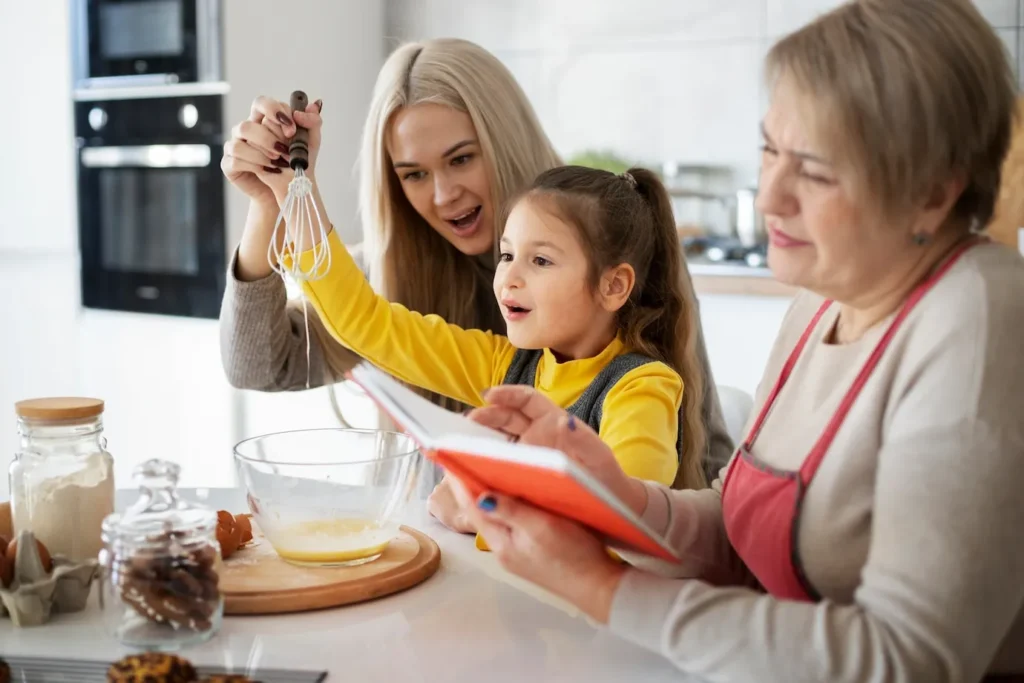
255 580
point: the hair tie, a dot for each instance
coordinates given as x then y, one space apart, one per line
628 177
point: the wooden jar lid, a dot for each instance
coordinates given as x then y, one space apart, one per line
59 408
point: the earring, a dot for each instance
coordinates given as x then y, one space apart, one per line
921 239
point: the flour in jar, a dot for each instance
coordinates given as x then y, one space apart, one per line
64 508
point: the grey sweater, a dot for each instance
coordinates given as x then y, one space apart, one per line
263 347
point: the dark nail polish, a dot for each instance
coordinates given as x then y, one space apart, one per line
271 169
487 504
280 162
319 105
281 147
284 120
571 424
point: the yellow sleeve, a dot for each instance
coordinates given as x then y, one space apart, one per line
422 350
640 420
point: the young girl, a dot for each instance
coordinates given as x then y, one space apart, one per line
600 316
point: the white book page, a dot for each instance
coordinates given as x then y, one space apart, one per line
425 421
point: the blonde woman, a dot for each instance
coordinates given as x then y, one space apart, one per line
871 527
448 138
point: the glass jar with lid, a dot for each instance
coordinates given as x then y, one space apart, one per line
62 476
160 563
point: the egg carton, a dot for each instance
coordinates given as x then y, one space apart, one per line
34 594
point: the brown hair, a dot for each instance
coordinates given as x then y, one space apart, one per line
907 95
628 219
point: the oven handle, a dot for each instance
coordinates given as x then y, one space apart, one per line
147 156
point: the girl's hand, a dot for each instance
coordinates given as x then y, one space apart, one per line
532 418
442 505
552 552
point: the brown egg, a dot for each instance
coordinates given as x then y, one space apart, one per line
4 541
12 553
6 571
245 525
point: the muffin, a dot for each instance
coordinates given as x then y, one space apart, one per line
152 667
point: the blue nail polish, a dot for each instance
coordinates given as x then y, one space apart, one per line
572 423
487 504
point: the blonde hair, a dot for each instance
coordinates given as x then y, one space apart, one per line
408 261
906 94
1009 214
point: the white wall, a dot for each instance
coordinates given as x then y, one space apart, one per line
160 376
655 80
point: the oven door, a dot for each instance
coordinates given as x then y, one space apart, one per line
151 41
152 228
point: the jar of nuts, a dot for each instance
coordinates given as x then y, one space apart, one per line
160 562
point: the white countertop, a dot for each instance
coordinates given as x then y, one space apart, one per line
470 622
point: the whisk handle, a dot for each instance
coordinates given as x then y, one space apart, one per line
299 147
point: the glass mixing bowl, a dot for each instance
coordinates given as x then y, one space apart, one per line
328 497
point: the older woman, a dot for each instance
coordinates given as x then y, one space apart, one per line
871 527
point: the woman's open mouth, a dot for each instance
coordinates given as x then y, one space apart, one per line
468 223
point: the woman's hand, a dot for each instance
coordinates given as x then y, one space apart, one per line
256 155
552 552
532 418
442 505
256 162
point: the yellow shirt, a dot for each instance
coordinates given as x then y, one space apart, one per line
641 412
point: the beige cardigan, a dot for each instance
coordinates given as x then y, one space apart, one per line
913 528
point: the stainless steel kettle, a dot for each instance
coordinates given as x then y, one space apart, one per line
748 223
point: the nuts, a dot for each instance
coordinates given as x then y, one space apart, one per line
172 585
11 553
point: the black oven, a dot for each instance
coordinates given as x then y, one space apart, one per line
151 205
146 42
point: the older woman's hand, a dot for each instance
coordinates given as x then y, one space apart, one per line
531 418
552 552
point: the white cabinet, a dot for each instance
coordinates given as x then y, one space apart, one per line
38 307
37 195
165 391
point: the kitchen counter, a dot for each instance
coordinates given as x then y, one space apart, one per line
735 278
471 621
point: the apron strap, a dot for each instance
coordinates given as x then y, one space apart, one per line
810 465
787 369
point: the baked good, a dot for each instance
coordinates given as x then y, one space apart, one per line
152 667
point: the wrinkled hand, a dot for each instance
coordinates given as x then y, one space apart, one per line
532 418
443 505
552 552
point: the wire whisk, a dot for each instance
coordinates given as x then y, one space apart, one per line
300 226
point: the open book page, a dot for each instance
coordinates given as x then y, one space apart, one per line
426 422
484 460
